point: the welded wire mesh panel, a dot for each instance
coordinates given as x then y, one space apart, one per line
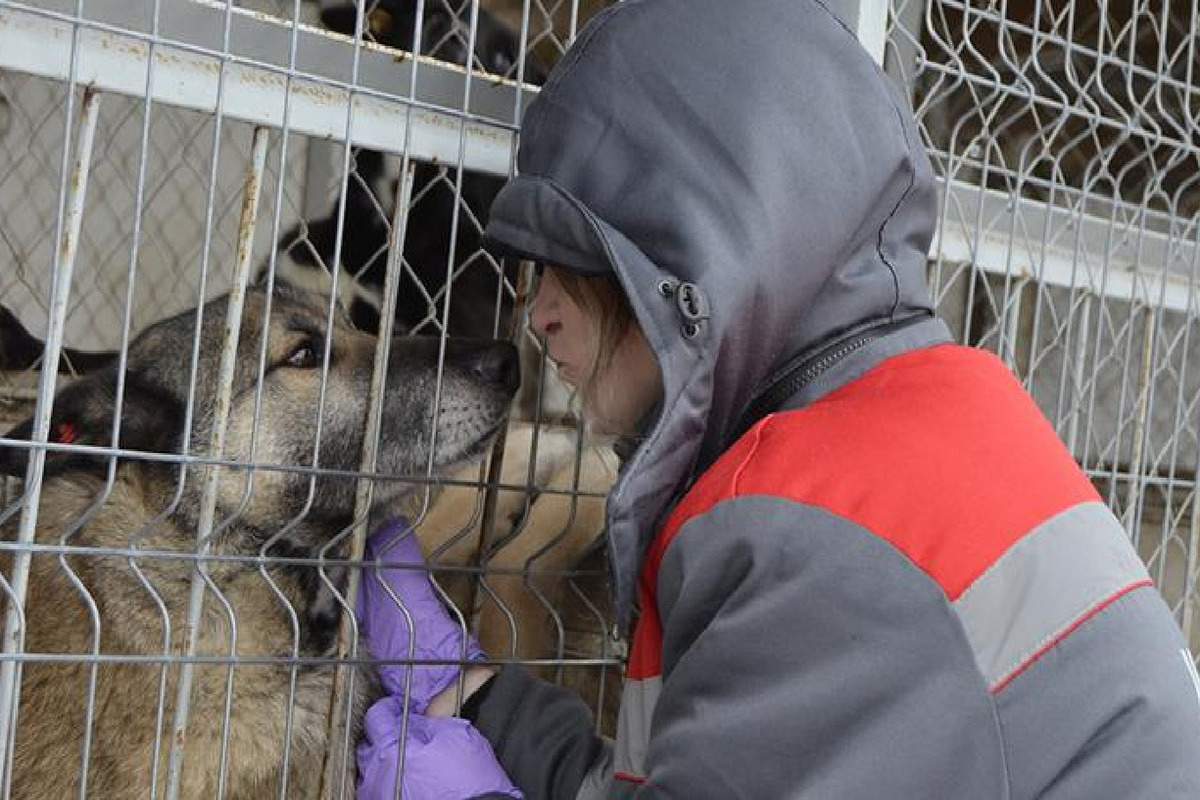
175 228
1066 141
234 241
508 38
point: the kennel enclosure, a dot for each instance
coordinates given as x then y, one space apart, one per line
153 154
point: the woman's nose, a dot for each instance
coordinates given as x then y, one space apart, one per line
543 309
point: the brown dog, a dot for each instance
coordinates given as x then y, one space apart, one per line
106 608
551 515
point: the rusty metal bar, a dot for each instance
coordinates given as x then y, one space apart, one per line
208 502
75 184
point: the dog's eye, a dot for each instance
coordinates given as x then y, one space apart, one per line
306 355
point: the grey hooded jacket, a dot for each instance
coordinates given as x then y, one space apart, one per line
761 192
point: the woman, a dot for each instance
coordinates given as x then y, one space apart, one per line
864 564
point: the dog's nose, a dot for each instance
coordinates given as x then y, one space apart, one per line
496 363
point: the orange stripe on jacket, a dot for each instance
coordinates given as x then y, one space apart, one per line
939 451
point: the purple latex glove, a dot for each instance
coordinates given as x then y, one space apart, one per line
445 758
387 631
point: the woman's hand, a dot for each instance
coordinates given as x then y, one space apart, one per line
444 758
436 756
402 619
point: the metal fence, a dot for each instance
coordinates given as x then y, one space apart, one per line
154 156
1065 136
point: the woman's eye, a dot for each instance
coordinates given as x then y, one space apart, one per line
305 356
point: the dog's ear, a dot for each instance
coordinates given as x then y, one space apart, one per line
151 420
18 347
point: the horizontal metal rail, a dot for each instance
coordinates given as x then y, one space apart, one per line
113 53
250 660
434 567
264 466
1006 235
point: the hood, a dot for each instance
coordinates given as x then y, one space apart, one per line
757 185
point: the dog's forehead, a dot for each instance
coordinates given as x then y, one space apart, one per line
287 316
163 341
295 310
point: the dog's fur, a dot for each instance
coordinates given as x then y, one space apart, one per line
481 300
115 605
520 608
544 523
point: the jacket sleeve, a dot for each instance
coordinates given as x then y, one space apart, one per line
543 735
804 657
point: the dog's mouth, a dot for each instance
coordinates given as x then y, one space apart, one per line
456 448
463 442
464 435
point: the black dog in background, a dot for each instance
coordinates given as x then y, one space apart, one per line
304 254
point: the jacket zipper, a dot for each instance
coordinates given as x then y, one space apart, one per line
793 381
814 371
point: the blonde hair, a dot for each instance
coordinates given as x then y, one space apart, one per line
607 307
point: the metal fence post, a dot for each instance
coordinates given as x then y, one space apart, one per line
75 183
868 19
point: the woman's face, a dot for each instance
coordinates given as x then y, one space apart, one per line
625 389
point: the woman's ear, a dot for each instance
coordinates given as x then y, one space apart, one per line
83 415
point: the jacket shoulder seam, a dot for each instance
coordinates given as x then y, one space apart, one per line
735 483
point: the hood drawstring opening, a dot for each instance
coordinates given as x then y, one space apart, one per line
690 302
